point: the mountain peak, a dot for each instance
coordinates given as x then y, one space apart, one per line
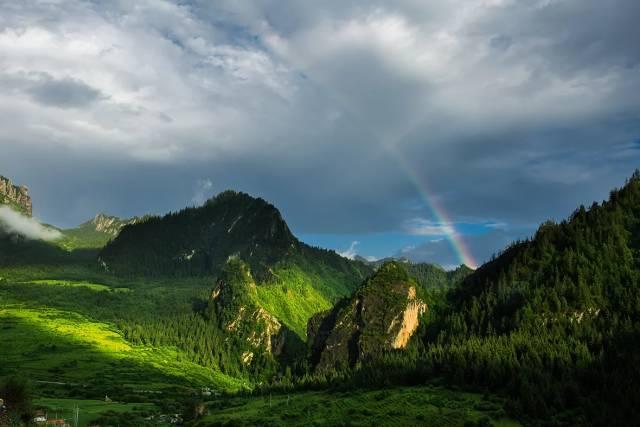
199 240
108 224
382 315
16 196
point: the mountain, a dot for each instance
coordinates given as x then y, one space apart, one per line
552 323
235 305
198 241
96 232
110 225
379 262
382 315
294 280
431 277
15 196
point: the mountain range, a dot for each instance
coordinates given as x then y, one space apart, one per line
551 325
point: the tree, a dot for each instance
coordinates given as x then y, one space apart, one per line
16 393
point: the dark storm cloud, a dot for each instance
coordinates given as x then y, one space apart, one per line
506 111
66 93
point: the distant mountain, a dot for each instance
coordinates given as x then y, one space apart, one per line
379 262
111 225
17 197
96 232
382 315
430 276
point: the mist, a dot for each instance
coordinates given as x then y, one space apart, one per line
13 222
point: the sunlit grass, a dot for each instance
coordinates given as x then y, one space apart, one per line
56 345
88 409
292 298
77 284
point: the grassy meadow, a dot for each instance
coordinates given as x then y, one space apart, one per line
425 405
90 410
60 325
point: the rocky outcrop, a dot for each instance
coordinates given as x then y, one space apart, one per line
234 302
15 196
383 315
111 225
406 323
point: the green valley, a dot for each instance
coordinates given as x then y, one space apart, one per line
218 315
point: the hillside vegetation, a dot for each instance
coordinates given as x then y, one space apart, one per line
221 296
553 322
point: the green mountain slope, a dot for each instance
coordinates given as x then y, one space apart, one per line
431 277
553 322
434 278
95 233
294 280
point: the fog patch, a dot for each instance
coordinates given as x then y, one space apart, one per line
13 222
351 252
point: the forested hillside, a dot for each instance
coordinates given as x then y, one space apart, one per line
434 278
553 322
225 291
294 280
198 241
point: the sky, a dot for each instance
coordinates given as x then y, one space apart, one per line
437 131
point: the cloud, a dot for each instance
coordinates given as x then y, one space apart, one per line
510 112
203 191
425 227
66 93
351 252
13 222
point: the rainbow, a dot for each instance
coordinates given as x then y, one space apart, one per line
458 245
455 239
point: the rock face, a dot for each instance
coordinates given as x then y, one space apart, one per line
234 302
382 315
109 224
15 196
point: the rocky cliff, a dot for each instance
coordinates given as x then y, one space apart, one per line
15 196
234 302
381 316
109 224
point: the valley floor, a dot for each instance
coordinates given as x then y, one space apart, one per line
406 406
59 329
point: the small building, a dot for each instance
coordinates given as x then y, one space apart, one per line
39 417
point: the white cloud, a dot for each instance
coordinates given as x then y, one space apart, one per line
425 227
351 252
173 87
13 222
475 93
203 191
